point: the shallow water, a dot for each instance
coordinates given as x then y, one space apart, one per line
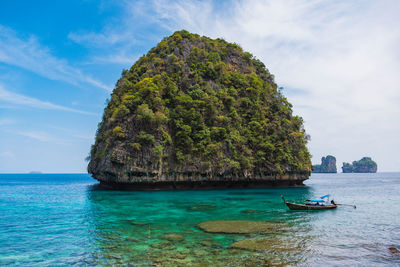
67 219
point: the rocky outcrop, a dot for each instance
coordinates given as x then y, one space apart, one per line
364 165
328 165
198 113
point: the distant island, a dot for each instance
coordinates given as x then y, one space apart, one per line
35 172
364 165
328 165
198 112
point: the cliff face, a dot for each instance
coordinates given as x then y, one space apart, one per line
364 165
198 112
328 165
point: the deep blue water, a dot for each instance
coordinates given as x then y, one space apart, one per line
67 219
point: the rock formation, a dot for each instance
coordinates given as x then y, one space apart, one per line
364 165
328 165
196 112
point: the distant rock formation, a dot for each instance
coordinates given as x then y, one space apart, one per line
328 165
347 167
364 165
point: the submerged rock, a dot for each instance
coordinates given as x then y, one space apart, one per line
240 227
173 237
251 211
210 243
136 223
257 244
162 245
180 256
131 239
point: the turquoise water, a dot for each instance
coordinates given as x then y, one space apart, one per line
67 219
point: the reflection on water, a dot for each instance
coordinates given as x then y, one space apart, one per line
150 228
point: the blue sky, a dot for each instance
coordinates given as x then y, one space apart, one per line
337 60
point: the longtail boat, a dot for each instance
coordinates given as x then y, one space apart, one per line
310 205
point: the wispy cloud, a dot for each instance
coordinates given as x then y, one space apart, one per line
51 137
6 121
74 133
121 40
42 137
343 55
111 46
26 101
338 60
29 54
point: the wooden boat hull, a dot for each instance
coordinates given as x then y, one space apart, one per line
295 206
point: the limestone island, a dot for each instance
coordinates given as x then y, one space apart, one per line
364 165
196 112
328 165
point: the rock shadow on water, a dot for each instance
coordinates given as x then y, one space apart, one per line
237 198
239 193
251 211
201 207
139 223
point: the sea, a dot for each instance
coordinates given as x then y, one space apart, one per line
69 220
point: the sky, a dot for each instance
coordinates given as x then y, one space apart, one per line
338 62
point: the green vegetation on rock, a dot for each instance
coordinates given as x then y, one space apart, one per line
197 105
364 165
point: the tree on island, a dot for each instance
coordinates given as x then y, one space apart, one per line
364 165
328 165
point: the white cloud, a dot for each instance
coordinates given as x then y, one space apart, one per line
29 54
344 56
26 101
106 38
121 40
111 46
122 58
338 60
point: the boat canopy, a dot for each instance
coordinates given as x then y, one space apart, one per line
319 201
324 196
